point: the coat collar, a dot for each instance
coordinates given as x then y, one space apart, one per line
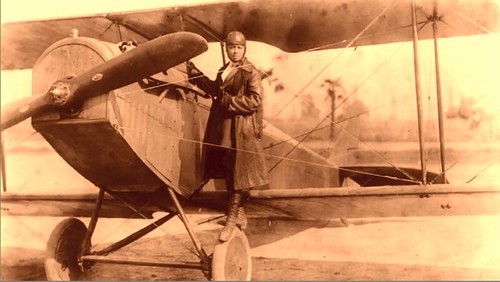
244 65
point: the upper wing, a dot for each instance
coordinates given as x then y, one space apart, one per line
24 42
298 25
293 26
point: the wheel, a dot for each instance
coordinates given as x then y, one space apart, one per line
63 249
231 259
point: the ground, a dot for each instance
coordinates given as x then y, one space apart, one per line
392 249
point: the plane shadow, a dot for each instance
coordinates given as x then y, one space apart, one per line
24 264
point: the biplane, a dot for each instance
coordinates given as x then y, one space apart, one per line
111 96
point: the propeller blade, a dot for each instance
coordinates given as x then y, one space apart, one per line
22 109
147 59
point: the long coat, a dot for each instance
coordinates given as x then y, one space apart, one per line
235 124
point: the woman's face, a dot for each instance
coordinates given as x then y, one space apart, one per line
235 52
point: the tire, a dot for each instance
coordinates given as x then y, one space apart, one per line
232 259
63 251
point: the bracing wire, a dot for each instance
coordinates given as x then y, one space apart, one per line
267 155
277 156
199 24
452 165
37 170
180 81
343 128
138 212
322 122
359 36
331 62
466 18
124 221
461 158
486 167
20 142
309 132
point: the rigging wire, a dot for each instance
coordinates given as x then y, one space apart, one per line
316 128
201 25
326 165
342 127
121 224
211 144
38 233
181 138
251 152
195 21
44 164
20 142
218 39
354 92
480 172
356 116
360 36
327 116
184 80
138 212
452 165
466 18
371 35
332 61
297 144
373 73
461 158
38 169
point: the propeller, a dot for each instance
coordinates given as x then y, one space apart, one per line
147 59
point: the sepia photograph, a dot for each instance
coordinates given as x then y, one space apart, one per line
229 140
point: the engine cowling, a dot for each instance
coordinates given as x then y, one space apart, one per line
124 140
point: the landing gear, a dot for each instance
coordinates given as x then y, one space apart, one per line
69 251
232 259
64 249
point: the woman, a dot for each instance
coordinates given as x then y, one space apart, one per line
232 142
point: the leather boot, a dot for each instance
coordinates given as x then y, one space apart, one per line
232 214
241 219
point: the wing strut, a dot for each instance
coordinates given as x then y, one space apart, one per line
435 18
222 53
4 171
209 31
416 59
118 31
182 216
